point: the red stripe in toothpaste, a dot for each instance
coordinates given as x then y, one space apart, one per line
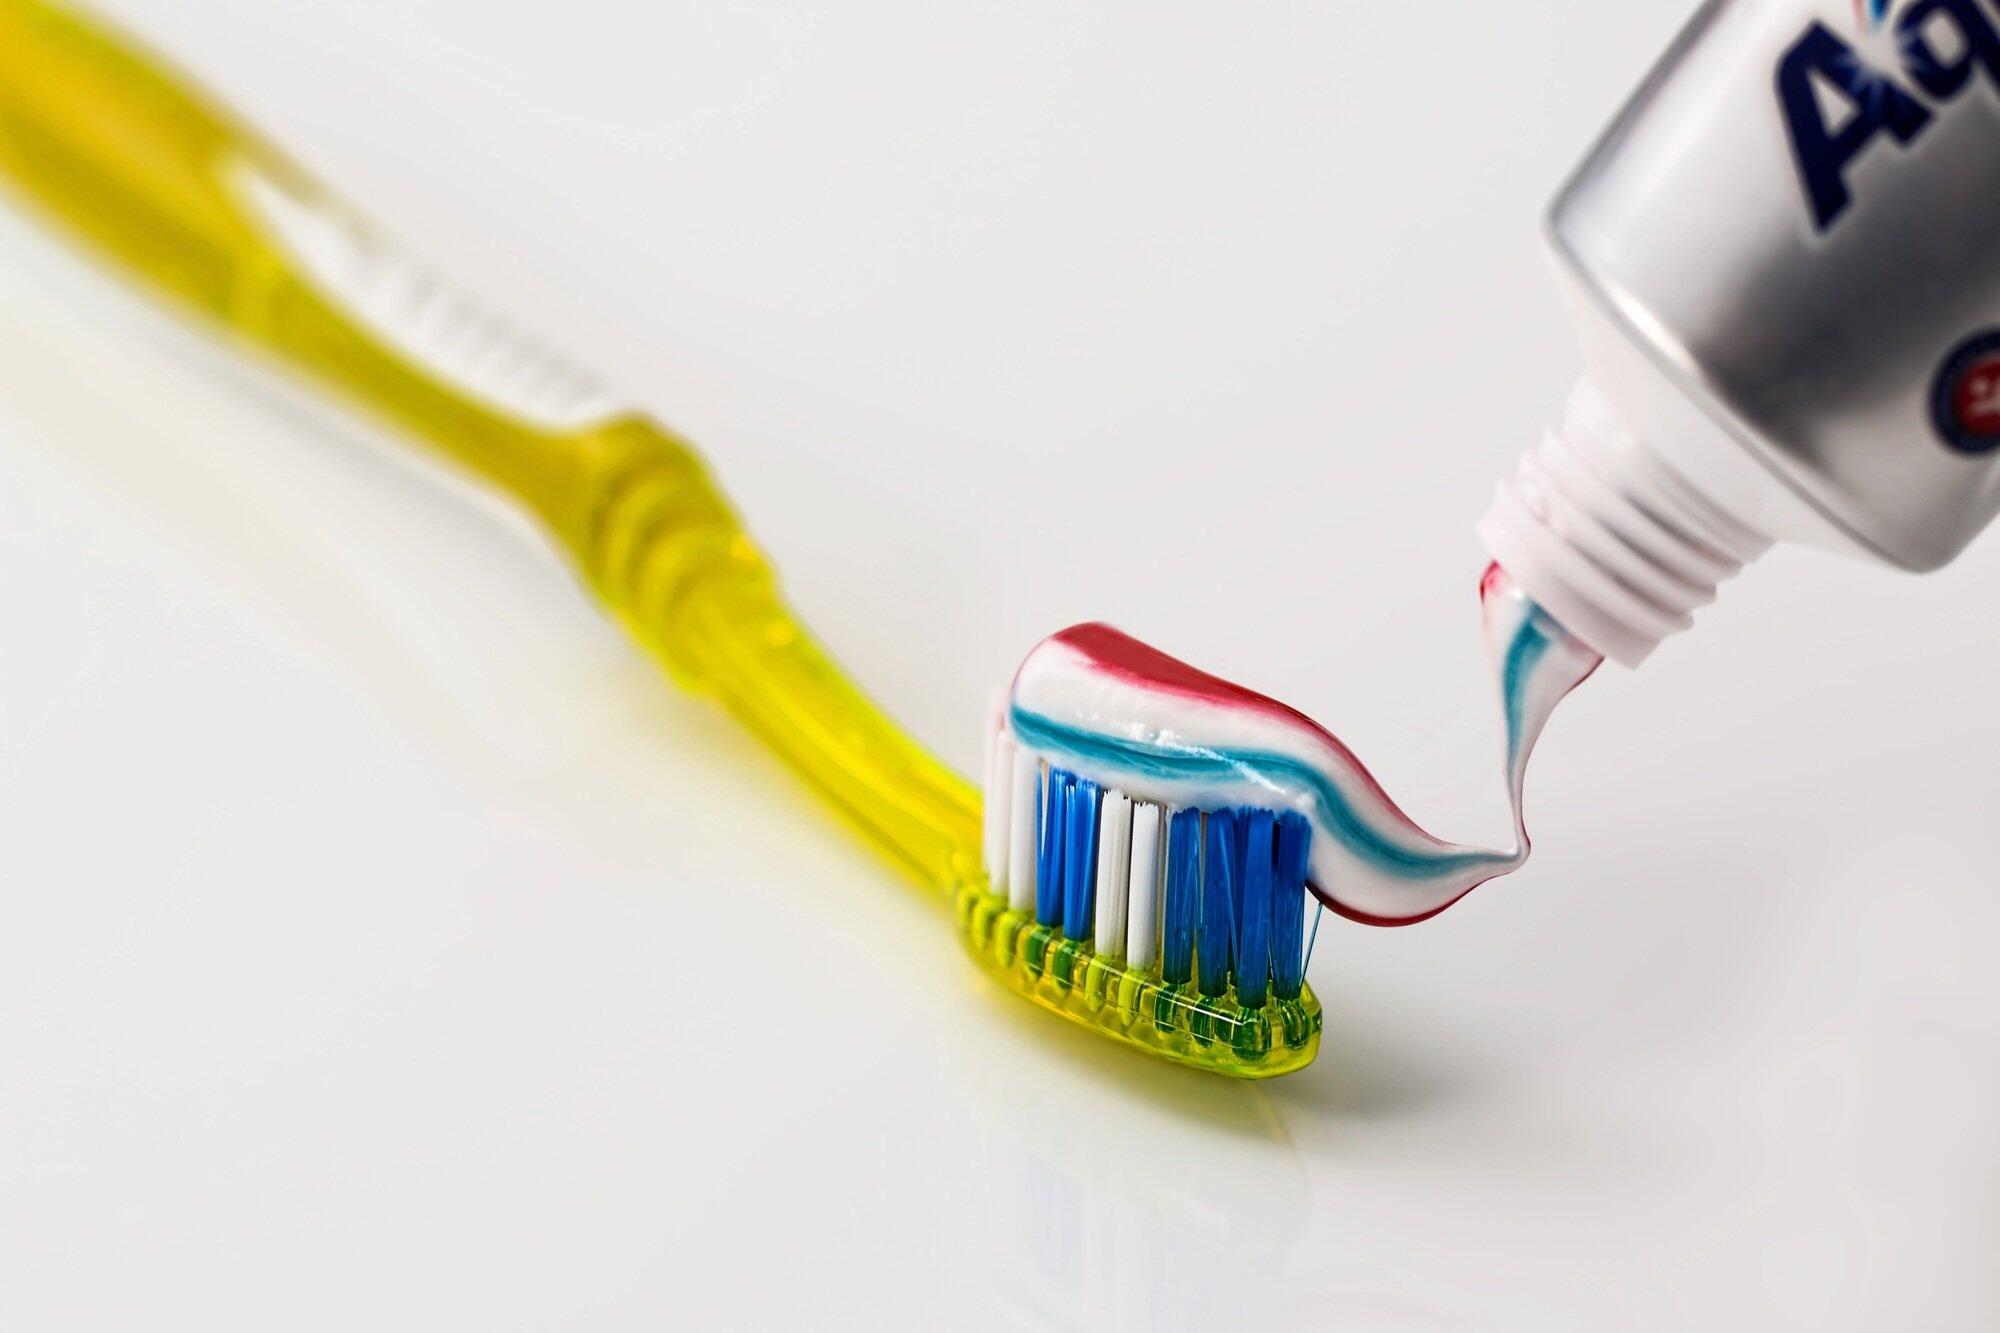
1117 654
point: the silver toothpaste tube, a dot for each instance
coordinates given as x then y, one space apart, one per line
1784 261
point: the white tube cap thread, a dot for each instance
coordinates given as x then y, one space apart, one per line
1607 538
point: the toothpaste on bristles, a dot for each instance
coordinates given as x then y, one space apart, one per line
1105 742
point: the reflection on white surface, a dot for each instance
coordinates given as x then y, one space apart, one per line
382 945
1107 1219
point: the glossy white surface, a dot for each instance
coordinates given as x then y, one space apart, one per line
383 945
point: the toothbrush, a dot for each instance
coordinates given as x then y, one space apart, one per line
1151 836
105 140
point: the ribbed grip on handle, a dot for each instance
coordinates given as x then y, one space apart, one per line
665 551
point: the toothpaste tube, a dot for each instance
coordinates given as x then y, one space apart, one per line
1781 261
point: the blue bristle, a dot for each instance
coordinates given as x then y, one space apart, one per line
1288 905
1233 902
1080 859
1050 864
1253 912
1183 897
1218 902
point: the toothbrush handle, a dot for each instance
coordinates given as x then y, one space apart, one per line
138 164
664 550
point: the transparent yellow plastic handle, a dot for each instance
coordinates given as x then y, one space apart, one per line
108 141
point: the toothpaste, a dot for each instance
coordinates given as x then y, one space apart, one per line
1098 702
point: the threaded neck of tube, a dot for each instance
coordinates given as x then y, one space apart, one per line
1619 547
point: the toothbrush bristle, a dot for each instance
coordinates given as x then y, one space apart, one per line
1215 898
1288 904
1253 910
1183 896
1175 927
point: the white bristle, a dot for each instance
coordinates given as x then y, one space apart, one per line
1114 875
1025 815
999 796
1142 935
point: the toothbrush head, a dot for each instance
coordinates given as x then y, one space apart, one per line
1157 902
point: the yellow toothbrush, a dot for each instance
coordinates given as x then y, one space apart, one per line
105 140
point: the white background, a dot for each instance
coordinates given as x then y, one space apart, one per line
384 945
